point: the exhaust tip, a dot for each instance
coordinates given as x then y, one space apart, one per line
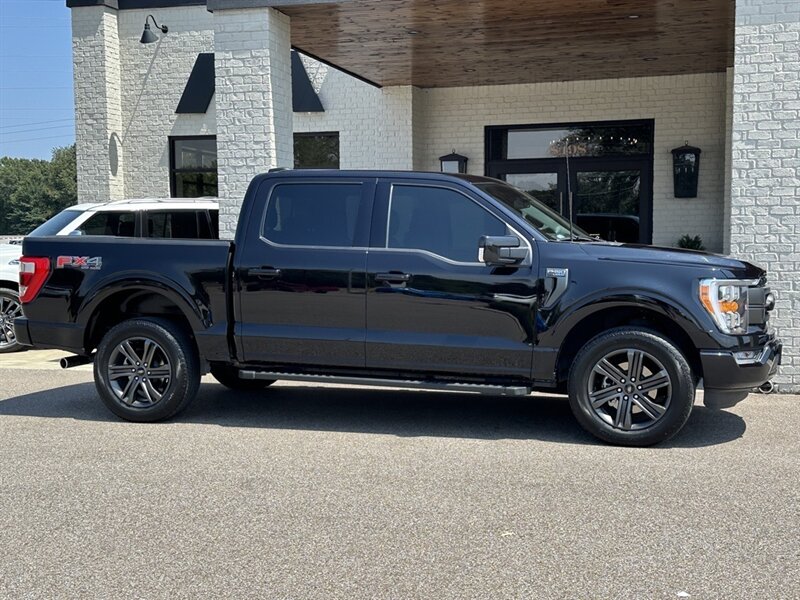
766 387
75 361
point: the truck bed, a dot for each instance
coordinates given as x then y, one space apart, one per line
88 271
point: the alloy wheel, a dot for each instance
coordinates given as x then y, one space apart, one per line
139 372
10 309
629 389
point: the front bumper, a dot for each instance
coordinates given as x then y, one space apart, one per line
726 381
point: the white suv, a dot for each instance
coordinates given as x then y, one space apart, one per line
184 218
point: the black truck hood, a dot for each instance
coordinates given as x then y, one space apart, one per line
670 256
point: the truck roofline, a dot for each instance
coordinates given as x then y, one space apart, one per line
375 173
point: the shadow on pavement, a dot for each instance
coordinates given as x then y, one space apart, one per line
394 412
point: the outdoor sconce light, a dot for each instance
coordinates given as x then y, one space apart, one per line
453 163
148 37
686 170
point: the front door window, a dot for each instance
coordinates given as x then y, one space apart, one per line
597 174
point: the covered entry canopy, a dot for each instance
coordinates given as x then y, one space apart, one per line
443 43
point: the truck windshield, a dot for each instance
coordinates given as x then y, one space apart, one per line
543 218
55 224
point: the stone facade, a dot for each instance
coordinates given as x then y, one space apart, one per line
765 179
98 104
253 102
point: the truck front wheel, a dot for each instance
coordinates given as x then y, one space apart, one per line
146 370
631 387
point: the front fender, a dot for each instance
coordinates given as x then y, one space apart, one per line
563 319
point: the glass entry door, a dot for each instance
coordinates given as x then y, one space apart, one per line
609 199
607 168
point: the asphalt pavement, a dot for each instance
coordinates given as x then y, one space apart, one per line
306 491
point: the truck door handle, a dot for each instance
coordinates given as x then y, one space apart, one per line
393 277
264 273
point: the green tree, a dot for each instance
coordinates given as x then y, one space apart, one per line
32 190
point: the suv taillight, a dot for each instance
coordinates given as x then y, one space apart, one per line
33 272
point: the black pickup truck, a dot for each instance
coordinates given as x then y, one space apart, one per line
416 280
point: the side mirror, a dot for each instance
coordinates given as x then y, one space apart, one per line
502 250
75 232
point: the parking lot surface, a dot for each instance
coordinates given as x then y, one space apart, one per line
332 492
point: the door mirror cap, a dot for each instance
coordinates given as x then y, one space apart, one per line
502 250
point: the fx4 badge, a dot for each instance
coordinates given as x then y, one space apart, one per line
91 263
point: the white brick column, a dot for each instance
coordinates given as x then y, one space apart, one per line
253 101
395 128
98 103
765 157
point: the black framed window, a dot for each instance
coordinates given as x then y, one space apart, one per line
316 150
598 174
193 166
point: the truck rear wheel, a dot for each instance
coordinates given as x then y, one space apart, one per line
10 309
146 370
229 377
631 387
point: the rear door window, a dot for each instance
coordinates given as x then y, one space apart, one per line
121 224
178 224
313 214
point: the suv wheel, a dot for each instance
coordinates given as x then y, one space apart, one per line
229 377
631 387
146 370
10 309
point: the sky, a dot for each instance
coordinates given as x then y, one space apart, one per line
36 101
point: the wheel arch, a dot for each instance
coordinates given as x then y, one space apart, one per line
663 319
9 285
128 300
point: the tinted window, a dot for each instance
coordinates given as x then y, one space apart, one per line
178 224
193 166
122 224
313 214
316 150
55 224
439 220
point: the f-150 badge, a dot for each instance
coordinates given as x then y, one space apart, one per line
90 263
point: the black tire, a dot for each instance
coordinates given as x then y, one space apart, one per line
175 356
10 308
612 407
229 377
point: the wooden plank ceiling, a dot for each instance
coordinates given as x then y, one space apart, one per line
444 43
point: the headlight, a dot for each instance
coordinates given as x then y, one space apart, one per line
726 302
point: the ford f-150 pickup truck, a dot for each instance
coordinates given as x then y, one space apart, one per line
416 280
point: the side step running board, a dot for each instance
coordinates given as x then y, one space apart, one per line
494 390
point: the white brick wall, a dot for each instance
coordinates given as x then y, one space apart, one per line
351 107
687 107
765 186
153 79
98 110
253 102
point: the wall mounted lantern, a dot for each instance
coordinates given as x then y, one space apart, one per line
148 37
453 163
686 170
